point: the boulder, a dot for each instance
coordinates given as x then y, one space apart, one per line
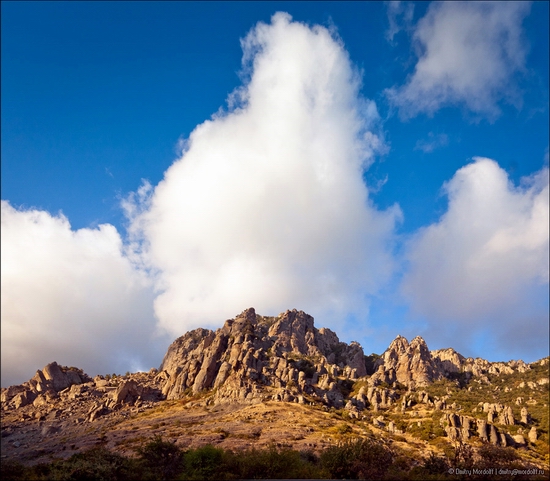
482 429
97 410
127 391
56 377
23 399
40 401
519 440
525 416
378 422
506 416
10 392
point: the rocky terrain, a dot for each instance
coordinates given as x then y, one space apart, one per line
261 381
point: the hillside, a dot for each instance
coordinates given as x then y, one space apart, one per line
279 381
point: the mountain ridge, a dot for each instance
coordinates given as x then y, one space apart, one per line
285 360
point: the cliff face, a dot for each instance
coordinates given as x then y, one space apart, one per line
252 353
409 364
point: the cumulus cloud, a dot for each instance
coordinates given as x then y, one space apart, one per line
267 207
468 55
73 297
483 267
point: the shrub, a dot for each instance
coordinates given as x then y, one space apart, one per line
95 464
436 465
204 463
306 366
345 386
273 463
341 429
497 456
463 457
163 459
358 459
12 470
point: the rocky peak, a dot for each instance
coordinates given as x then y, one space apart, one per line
399 345
45 384
410 364
251 352
413 364
294 332
448 360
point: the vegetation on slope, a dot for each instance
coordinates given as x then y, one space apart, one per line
354 459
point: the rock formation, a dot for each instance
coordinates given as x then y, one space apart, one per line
255 360
252 352
409 364
44 386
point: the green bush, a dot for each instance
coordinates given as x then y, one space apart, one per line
96 464
306 366
204 463
343 429
463 456
277 464
358 459
436 465
161 459
496 454
498 457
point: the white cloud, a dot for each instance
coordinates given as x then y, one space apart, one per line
484 264
72 297
433 142
400 15
266 206
468 54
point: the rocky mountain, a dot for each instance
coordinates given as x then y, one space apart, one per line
254 357
284 364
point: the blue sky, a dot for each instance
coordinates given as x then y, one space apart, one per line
99 97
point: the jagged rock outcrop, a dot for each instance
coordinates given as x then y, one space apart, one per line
44 385
409 364
413 365
506 416
462 428
251 353
58 394
448 361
